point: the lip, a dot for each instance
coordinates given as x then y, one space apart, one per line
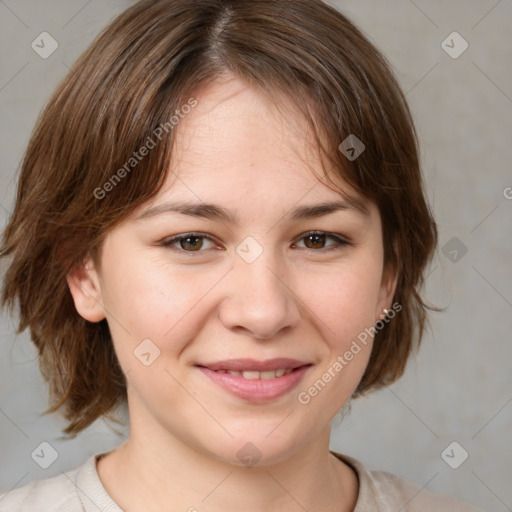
257 390
254 365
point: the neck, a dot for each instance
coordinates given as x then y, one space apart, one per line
154 470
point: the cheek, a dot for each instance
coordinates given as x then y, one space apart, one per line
150 300
344 304
344 299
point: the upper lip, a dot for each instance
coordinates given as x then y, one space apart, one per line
254 365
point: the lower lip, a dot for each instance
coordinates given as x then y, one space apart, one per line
256 390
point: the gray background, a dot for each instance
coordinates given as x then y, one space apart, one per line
459 387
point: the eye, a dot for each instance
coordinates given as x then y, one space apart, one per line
315 240
188 242
198 242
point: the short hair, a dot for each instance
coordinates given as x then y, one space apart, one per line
143 68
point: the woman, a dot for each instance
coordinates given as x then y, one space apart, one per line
221 222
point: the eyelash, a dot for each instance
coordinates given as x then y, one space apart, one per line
339 242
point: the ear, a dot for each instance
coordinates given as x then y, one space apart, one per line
386 293
85 288
387 287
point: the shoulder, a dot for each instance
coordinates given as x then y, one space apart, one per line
48 495
395 489
388 492
56 494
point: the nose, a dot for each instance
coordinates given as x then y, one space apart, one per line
259 299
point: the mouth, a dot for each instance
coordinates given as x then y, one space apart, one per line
256 381
253 375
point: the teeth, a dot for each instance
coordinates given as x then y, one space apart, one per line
253 375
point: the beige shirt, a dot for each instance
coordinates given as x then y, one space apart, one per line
81 490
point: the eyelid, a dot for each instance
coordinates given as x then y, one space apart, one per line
340 241
168 242
339 238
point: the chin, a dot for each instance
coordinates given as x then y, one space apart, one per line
255 448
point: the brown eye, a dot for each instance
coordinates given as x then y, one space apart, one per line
191 243
316 241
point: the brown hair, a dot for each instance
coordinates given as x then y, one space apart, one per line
141 70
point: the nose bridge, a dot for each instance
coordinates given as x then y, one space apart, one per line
261 278
260 300
258 279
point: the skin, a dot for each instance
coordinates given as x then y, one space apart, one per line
235 149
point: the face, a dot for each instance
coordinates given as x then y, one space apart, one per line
248 277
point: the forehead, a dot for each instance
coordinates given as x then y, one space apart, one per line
239 142
235 127
240 156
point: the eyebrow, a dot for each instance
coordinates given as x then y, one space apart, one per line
216 212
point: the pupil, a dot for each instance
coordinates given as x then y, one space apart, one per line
317 239
192 245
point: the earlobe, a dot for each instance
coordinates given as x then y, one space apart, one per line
86 291
387 292
388 287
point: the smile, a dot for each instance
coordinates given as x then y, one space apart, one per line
253 375
256 385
